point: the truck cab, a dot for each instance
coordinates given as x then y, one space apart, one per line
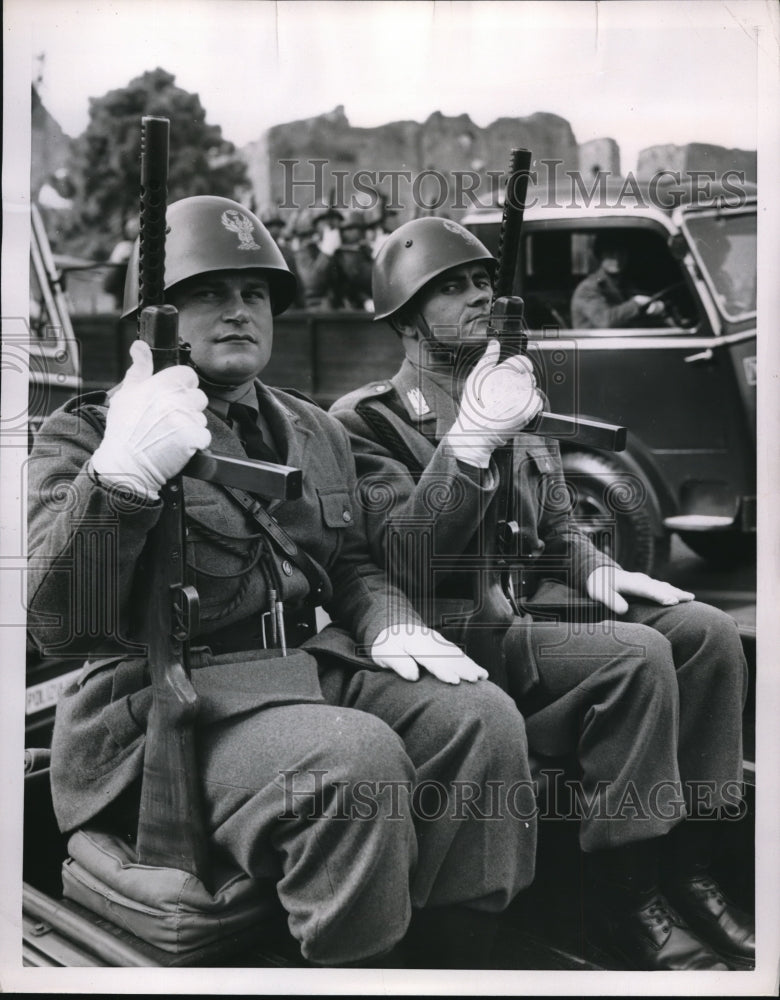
684 384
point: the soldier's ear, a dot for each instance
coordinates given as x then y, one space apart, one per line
404 322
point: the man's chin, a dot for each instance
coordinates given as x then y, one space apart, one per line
229 376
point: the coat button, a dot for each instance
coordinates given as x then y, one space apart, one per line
286 568
346 517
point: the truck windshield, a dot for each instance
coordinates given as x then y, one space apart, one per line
726 246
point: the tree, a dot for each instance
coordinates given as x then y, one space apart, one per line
106 163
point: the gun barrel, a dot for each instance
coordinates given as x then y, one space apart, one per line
512 221
154 191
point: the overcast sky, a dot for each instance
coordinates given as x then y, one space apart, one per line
642 73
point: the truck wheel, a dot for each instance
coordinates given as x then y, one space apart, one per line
722 549
609 504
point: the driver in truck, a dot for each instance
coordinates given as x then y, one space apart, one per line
645 698
605 299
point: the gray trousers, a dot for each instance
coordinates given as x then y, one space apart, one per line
389 795
649 707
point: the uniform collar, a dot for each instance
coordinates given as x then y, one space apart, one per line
220 399
427 397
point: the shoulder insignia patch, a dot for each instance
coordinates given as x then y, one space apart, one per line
417 402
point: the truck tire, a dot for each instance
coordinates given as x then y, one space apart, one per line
722 549
610 505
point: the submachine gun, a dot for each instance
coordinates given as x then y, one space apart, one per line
496 602
170 829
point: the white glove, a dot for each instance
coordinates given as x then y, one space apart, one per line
155 424
608 584
498 400
650 308
402 650
330 241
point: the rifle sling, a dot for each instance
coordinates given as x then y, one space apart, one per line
316 576
387 434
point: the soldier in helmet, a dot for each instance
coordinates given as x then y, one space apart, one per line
316 239
287 746
649 704
277 228
352 264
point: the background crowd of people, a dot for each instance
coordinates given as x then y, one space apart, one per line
331 252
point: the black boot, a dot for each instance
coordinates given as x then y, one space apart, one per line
629 920
688 853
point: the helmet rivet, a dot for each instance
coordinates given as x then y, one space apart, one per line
409 243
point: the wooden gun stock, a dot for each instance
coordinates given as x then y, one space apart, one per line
170 827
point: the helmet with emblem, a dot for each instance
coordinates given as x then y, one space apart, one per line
206 233
417 252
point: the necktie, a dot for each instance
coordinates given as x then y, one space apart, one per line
245 422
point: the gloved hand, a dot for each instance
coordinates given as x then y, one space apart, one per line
608 584
498 400
411 647
155 424
330 241
649 308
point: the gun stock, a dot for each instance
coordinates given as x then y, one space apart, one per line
170 827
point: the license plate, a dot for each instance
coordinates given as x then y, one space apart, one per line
47 693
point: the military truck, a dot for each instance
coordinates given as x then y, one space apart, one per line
686 391
684 385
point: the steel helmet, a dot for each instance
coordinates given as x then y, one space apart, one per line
206 233
354 219
417 252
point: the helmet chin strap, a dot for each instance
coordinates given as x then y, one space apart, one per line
458 359
185 352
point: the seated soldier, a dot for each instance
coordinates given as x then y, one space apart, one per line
649 703
336 723
605 299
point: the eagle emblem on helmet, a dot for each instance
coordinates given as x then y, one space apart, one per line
233 220
465 235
